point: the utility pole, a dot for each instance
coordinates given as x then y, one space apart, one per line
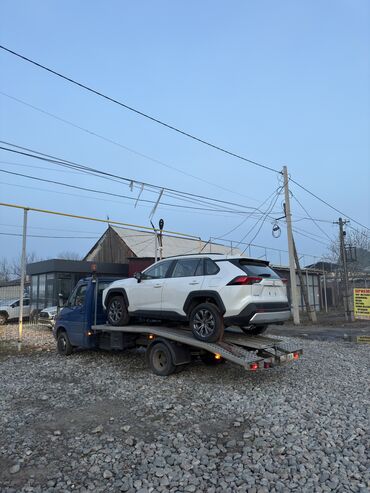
347 295
293 283
23 277
304 288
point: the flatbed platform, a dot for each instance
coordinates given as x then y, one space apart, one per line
250 352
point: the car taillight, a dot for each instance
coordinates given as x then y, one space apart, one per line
285 281
244 280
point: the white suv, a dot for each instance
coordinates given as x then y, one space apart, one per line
208 291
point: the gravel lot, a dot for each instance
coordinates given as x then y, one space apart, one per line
100 421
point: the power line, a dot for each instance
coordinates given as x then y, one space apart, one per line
138 112
248 216
263 218
171 127
94 172
162 205
327 203
129 149
103 192
51 237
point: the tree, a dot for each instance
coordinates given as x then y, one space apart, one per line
361 241
5 270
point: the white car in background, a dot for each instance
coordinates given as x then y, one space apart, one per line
207 291
47 316
9 310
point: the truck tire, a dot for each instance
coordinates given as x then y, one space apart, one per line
160 360
254 330
117 313
206 322
3 318
64 346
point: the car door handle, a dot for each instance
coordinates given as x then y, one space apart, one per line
193 283
158 285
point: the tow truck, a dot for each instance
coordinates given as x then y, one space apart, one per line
168 348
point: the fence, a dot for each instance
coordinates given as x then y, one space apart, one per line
41 290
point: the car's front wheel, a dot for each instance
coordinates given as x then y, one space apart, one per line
254 330
117 313
206 322
3 318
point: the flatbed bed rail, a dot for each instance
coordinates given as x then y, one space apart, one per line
250 352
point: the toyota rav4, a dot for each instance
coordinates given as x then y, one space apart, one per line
208 291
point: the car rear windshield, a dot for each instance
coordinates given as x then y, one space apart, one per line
256 269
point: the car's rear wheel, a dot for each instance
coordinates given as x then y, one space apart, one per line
64 345
3 318
160 360
117 313
254 330
206 322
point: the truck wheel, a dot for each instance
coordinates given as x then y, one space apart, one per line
254 330
117 313
63 344
3 318
210 360
161 361
206 322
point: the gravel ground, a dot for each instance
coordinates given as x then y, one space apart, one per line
99 421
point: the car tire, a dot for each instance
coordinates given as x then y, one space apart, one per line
161 360
206 322
3 318
117 313
210 360
64 345
254 330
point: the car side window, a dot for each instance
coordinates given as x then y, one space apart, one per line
211 267
158 271
188 267
78 297
16 304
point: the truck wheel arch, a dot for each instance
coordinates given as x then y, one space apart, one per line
196 297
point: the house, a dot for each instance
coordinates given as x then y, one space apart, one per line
118 245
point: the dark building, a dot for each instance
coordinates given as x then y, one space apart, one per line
49 278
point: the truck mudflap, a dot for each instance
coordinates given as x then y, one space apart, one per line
251 352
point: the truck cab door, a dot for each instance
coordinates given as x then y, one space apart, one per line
74 315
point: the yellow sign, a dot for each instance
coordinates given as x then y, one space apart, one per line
361 299
363 339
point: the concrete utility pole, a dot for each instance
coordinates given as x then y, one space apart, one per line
347 295
23 276
293 283
304 288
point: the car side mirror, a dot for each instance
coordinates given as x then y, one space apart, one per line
138 276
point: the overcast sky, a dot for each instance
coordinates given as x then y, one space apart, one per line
278 82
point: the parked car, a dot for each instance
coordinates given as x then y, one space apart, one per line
208 291
47 316
9 310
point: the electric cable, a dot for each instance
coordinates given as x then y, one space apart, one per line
129 149
138 112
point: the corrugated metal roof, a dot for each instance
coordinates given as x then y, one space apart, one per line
142 244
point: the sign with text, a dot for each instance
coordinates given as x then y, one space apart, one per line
361 303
